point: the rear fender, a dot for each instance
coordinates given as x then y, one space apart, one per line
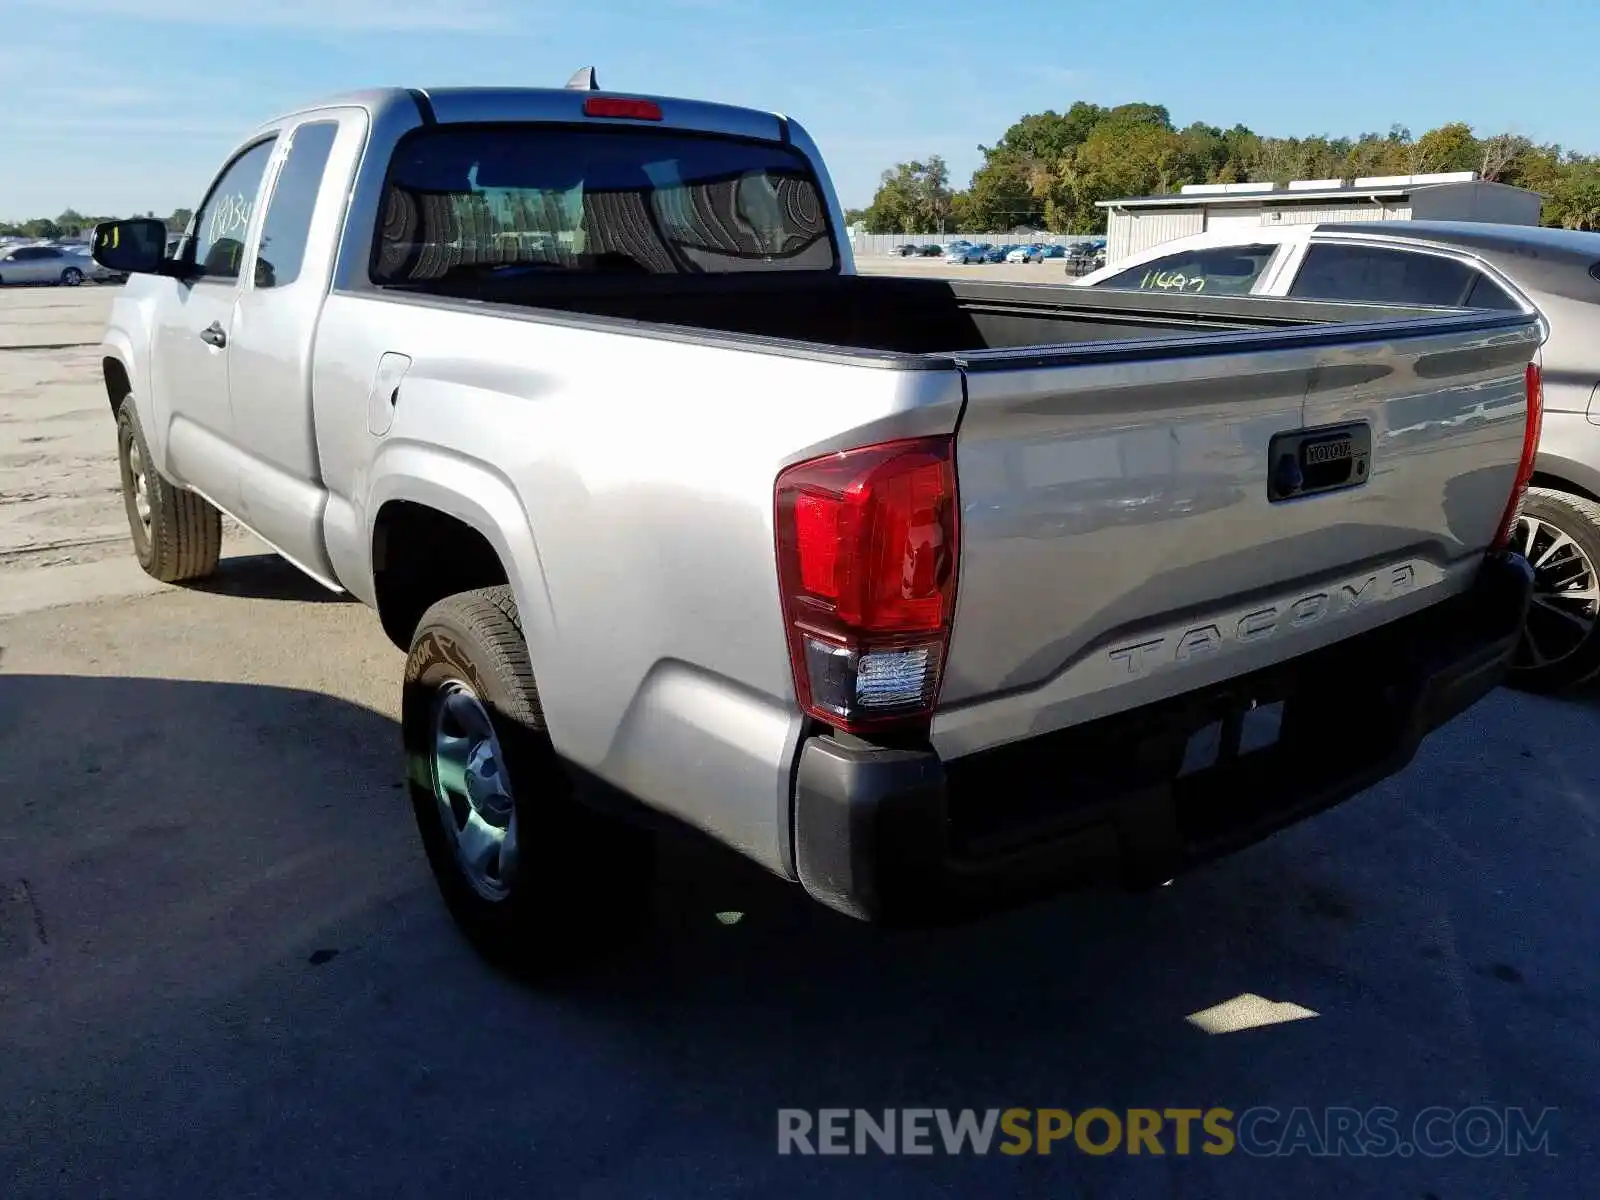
478 496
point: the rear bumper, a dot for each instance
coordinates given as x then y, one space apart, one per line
898 836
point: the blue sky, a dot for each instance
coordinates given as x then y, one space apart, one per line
122 105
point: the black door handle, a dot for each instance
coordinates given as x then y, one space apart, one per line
213 333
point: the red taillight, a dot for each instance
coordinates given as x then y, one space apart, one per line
867 551
616 106
1534 381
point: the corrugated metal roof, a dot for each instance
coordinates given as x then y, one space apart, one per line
1384 186
1279 195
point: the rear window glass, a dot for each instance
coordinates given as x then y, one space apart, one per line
1209 270
472 202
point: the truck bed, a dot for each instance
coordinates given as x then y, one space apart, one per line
933 319
1114 449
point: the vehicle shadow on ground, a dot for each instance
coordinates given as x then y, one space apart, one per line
223 968
265 577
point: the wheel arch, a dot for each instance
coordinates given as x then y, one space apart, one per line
1562 474
118 381
440 525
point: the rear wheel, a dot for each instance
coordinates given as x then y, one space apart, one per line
72 277
535 880
177 535
1559 534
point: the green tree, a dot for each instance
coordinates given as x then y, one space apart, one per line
1450 147
1139 113
912 197
1120 158
1574 201
1001 196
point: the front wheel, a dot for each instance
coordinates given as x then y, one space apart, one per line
1559 534
72 277
177 535
534 879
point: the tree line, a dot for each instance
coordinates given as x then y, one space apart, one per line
73 224
1048 169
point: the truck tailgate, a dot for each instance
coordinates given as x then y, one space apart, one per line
1120 542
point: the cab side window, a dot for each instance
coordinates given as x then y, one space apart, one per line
223 222
1208 271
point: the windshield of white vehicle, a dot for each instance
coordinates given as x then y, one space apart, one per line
472 202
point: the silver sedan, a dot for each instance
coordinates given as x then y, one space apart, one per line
42 264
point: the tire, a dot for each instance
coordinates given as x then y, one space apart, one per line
577 883
72 277
178 535
1560 535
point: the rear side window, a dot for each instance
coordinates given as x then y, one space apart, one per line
1375 275
1486 293
474 202
1210 271
294 199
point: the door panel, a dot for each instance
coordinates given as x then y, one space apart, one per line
189 371
26 266
273 332
47 267
191 377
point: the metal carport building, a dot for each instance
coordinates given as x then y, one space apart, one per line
1139 222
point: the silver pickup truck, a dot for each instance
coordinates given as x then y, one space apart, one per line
928 595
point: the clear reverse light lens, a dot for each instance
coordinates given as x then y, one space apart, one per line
892 678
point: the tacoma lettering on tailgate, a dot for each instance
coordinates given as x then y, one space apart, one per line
1265 622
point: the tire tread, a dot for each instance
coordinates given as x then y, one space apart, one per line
185 527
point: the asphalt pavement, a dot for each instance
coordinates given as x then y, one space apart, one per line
224 970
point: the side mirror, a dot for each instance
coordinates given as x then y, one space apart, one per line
137 246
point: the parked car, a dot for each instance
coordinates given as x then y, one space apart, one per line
965 254
1163 534
930 251
1022 253
40 264
994 254
1474 264
905 251
1040 253
93 271
1082 258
